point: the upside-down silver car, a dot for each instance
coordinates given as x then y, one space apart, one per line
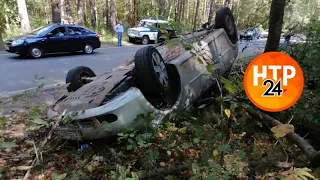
159 80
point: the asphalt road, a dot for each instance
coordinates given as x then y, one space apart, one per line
17 74
20 74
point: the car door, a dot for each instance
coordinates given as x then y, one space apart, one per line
56 40
75 38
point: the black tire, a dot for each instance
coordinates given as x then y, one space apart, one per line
74 77
145 40
224 19
148 80
35 52
88 48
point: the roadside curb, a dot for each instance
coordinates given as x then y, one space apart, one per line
45 88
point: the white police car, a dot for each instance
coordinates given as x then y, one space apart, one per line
146 34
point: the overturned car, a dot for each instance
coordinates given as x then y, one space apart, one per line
162 79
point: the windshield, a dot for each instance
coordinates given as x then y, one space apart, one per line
145 24
40 30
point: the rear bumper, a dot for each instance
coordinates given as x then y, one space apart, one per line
97 45
21 49
125 107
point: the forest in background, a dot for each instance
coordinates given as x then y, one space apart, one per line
20 16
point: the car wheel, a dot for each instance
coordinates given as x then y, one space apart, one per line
224 19
151 72
35 52
145 40
88 48
75 75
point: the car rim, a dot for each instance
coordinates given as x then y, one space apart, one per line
36 52
160 69
88 49
145 41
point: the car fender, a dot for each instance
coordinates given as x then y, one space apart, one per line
37 43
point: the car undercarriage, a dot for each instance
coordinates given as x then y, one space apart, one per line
160 79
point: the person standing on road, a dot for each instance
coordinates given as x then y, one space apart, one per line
287 36
119 29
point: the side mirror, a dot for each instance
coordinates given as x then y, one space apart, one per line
49 35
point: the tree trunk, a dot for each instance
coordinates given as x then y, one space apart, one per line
96 12
92 14
170 10
180 10
107 14
211 11
1 40
183 7
275 25
176 4
195 22
161 8
56 11
80 12
204 7
113 13
6 18
68 11
228 3
85 12
23 15
136 10
63 11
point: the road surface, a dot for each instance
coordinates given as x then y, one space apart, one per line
18 74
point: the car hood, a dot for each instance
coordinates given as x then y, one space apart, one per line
140 29
26 36
92 94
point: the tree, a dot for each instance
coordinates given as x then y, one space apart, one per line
68 11
113 13
211 11
228 3
275 24
161 8
196 16
80 12
107 14
92 14
23 15
56 11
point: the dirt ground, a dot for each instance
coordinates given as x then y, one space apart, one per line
20 103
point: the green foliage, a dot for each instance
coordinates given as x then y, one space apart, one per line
136 140
106 126
6 144
214 171
120 174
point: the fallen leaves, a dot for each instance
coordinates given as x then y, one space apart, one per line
297 174
227 112
282 130
24 168
40 121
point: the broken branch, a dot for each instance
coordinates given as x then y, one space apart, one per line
305 147
43 143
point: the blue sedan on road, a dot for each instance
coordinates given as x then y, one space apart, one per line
54 38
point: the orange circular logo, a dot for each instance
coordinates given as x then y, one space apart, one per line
273 81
